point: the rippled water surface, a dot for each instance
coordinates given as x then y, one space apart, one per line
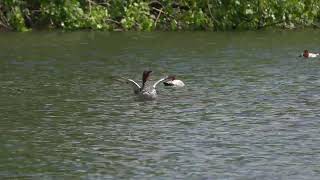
250 108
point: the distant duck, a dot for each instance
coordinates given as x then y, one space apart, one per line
172 81
308 54
145 92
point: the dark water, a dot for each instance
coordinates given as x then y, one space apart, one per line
250 108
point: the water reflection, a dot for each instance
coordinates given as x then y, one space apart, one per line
247 111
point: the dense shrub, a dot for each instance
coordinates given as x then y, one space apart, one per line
147 15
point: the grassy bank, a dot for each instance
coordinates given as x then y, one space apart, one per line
148 15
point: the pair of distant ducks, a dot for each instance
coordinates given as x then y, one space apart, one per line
147 92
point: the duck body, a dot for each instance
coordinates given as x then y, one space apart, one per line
148 94
307 54
173 82
313 55
146 91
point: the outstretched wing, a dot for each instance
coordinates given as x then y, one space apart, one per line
159 81
135 86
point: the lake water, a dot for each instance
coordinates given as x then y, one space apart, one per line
249 110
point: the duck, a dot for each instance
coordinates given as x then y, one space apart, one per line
173 82
145 91
307 54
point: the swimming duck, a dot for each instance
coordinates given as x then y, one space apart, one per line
308 54
145 91
172 81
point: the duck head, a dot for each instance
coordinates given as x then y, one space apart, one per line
169 80
171 77
305 53
145 77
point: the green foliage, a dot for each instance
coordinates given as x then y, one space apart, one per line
14 14
96 19
15 17
137 16
147 15
70 15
